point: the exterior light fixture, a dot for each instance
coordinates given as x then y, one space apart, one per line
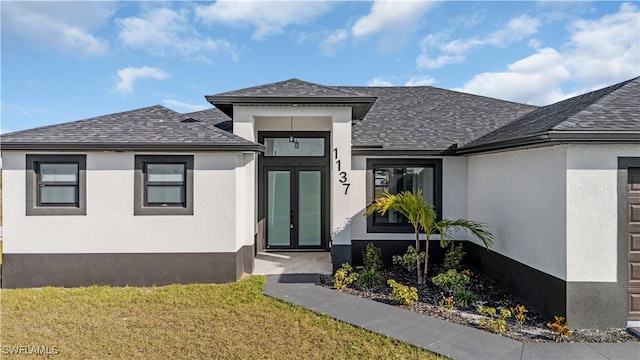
292 138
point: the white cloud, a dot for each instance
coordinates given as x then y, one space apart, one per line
606 49
385 15
184 106
453 51
269 18
600 52
333 40
166 31
57 24
424 61
379 82
130 75
535 79
420 81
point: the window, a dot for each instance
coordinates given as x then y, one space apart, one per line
398 175
56 184
163 185
294 146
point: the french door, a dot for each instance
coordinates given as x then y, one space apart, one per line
295 207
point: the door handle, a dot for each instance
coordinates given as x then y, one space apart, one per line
291 220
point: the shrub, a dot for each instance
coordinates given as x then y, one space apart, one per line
465 297
490 322
372 257
448 304
369 278
453 257
451 281
560 328
344 276
520 314
402 293
408 260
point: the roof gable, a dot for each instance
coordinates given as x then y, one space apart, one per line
292 91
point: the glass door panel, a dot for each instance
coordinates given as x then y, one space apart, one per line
279 208
309 208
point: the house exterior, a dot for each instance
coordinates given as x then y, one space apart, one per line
151 196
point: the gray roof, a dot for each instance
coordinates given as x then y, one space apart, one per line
605 114
292 91
150 128
421 119
428 118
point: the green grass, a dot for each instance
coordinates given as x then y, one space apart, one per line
227 321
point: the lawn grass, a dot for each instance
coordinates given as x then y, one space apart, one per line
227 321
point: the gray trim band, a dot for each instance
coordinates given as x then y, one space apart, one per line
123 269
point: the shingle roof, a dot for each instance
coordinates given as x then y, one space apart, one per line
290 88
292 91
609 110
429 118
154 128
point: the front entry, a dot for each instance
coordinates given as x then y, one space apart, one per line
295 216
293 191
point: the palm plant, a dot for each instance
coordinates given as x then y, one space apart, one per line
421 215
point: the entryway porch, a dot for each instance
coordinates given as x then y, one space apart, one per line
269 263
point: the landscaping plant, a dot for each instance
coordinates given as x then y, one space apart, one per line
421 215
369 278
451 281
465 297
344 276
409 259
492 323
403 293
453 257
560 328
520 314
372 257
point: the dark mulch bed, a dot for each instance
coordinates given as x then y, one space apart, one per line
489 295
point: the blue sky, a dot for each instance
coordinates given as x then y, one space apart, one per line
64 61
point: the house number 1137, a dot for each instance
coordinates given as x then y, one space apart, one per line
342 175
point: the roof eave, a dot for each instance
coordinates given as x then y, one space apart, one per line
554 137
131 147
225 103
381 151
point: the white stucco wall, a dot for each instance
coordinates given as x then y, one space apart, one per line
592 210
522 197
454 196
110 226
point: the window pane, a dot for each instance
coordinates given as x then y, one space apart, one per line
165 172
59 172
58 195
279 207
309 208
165 194
305 147
396 180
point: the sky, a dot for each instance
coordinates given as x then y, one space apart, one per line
65 61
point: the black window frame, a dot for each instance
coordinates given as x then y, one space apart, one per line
374 163
141 185
34 205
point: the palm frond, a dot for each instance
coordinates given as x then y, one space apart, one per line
477 229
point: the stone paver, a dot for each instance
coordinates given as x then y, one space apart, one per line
439 336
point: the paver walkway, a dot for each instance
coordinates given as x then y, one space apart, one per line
439 336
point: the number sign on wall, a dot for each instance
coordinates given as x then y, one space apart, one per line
343 178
